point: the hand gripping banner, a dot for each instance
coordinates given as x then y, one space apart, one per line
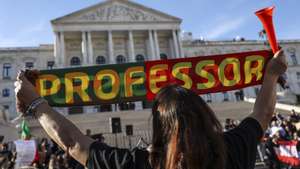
115 83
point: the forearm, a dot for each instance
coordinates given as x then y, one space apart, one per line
63 132
265 102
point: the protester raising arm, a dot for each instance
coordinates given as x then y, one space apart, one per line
265 102
60 129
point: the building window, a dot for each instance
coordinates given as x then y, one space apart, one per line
298 75
226 96
294 59
126 106
75 61
100 60
292 52
121 59
76 110
6 70
163 56
208 98
6 107
140 58
104 108
50 64
29 65
239 95
5 93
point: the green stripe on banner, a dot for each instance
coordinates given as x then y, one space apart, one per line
94 85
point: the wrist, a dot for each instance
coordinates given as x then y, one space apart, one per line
33 106
39 109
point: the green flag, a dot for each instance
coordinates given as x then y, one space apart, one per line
25 133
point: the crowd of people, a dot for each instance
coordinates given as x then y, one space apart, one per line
49 155
281 128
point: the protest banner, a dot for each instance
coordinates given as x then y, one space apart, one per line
26 150
115 83
287 152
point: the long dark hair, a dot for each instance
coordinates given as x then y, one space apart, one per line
186 132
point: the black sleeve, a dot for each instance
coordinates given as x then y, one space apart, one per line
241 144
102 156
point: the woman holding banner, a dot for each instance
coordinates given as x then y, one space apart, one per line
186 133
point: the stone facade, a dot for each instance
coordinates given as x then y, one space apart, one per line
119 31
11 61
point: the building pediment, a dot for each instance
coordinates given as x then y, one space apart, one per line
116 11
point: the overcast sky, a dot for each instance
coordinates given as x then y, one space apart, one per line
27 22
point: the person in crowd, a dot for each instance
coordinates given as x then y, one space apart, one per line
98 137
277 117
282 129
295 118
186 132
52 162
271 143
88 132
6 157
44 153
228 124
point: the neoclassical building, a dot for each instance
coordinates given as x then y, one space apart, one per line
115 31
121 31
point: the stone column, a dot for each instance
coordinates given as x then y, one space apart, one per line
62 49
90 48
181 52
131 47
110 48
84 50
156 42
57 49
175 41
172 49
152 51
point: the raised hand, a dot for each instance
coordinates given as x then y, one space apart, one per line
25 92
277 65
